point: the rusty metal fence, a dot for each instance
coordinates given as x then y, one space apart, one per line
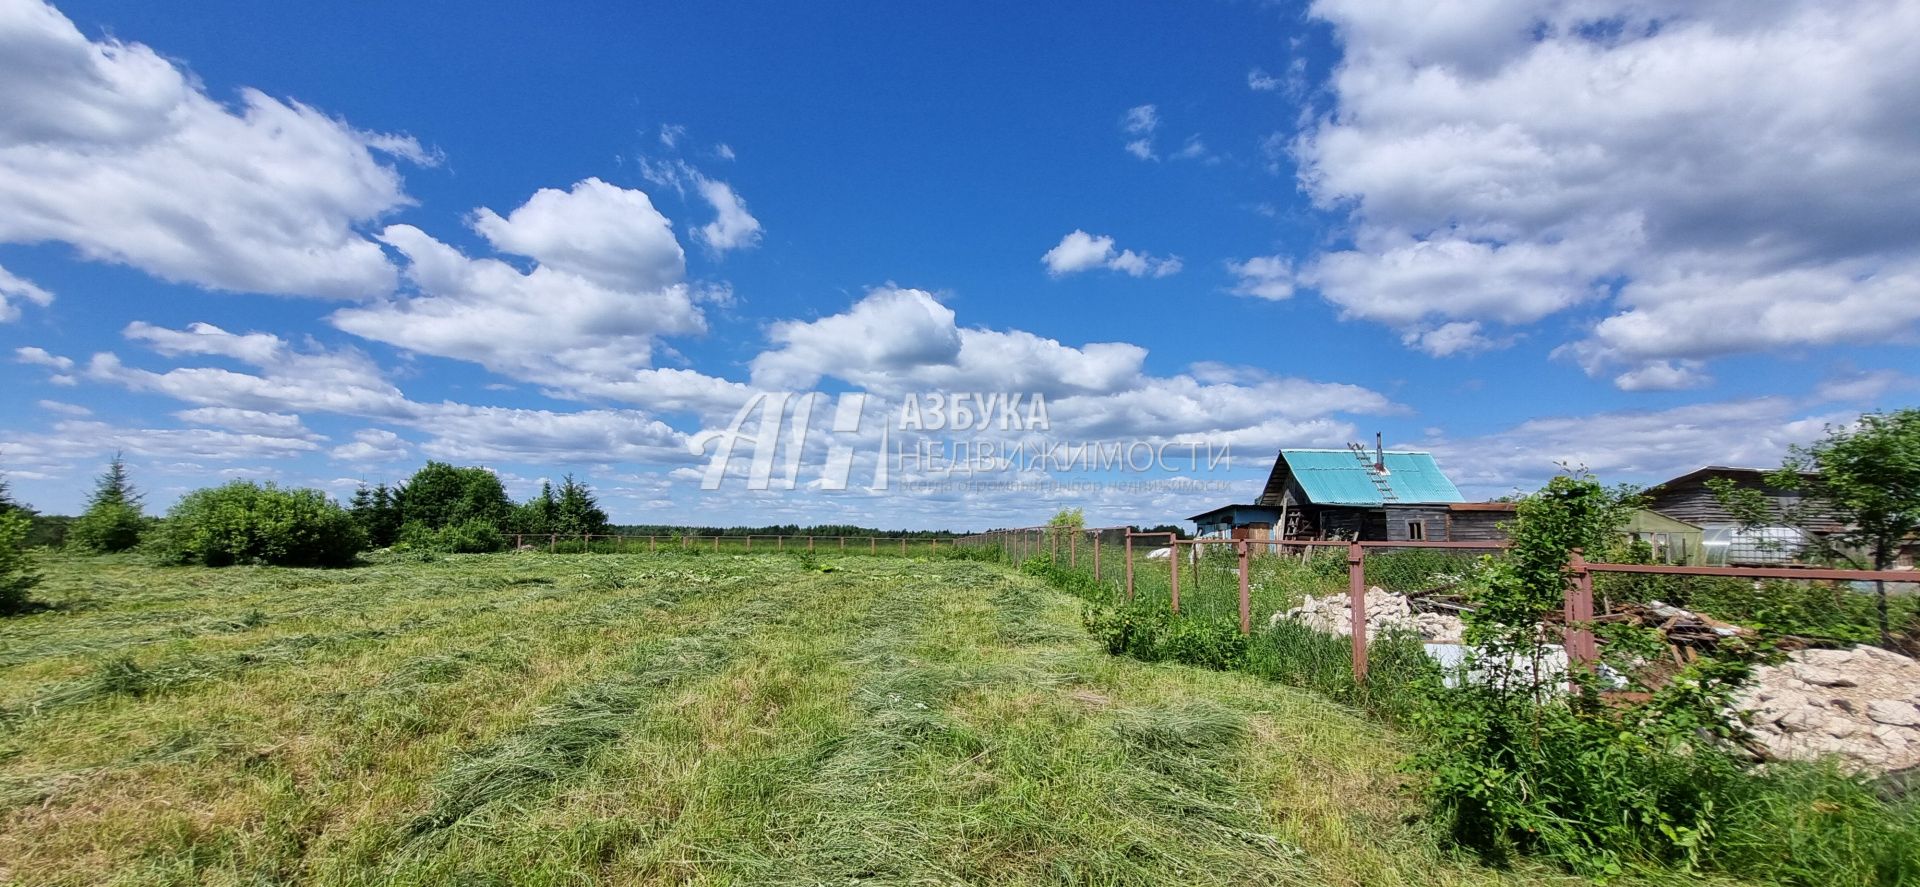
1250 581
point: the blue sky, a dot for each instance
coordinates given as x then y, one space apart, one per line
321 245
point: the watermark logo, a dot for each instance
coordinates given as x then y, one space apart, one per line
769 410
987 434
974 411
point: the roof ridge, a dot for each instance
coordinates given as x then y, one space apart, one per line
1344 450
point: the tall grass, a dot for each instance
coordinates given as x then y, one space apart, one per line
677 718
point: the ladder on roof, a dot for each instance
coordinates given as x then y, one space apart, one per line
1379 479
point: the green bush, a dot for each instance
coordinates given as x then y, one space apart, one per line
1209 643
1151 634
49 531
247 523
471 536
17 576
1079 583
1506 774
1830 612
106 528
440 495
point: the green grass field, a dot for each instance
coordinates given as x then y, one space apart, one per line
671 718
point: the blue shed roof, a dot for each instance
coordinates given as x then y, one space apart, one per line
1237 514
1339 477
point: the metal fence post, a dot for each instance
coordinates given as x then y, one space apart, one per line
1246 595
1096 555
1578 637
1357 603
1073 551
553 540
1173 569
1126 552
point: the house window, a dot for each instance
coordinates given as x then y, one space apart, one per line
1416 531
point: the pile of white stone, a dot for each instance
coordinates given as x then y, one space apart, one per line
1385 610
1857 704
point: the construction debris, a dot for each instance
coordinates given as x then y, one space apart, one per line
1860 705
1682 628
1385 610
1857 704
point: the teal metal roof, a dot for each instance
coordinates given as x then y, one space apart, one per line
1340 477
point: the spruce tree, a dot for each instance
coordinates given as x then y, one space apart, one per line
539 514
385 528
112 521
578 513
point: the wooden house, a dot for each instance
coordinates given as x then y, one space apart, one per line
1353 493
1690 499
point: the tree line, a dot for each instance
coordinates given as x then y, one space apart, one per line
441 507
447 508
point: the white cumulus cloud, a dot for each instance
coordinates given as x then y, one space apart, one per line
732 227
1263 277
112 148
1720 177
372 446
1080 251
606 284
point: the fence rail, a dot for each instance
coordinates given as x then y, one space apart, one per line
1200 574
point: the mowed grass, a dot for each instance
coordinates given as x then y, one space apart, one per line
670 718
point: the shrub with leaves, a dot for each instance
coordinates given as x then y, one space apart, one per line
441 495
1149 633
471 536
247 523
